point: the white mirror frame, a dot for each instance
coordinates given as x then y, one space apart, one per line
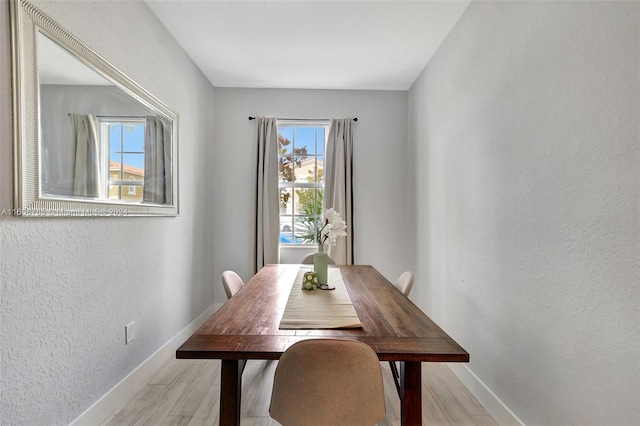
26 22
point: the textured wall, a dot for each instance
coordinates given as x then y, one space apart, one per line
379 175
524 130
69 286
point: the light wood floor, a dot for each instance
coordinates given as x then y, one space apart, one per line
185 392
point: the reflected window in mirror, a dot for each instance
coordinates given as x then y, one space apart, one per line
124 137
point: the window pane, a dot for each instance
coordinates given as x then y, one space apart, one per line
286 201
133 165
115 137
320 172
305 139
320 140
298 158
286 229
285 139
306 229
115 164
115 157
319 201
285 168
305 172
133 137
114 192
286 223
307 201
286 238
312 145
115 168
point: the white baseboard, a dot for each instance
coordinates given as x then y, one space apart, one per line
498 410
130 385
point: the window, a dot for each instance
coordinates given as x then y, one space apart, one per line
132 188
301 146
125 156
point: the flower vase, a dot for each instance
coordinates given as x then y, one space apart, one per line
320 264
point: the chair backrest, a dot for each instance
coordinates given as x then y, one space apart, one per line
321 382
404 283
308 260
231 283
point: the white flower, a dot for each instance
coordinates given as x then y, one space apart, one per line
333 228
331 215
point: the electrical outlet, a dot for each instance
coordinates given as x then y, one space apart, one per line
129 333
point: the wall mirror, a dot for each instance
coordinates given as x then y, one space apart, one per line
88 140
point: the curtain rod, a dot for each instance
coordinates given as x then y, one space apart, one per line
303 119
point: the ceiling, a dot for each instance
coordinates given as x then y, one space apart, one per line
366 45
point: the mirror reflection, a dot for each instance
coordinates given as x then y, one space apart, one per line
97 142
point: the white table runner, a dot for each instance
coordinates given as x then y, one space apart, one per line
309 309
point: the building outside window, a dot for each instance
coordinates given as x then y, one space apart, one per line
301 150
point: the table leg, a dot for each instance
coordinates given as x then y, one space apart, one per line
411 389
230 392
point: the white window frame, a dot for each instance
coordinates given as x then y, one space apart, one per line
302 185
103 123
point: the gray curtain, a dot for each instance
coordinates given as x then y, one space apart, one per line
157 162
338 191
267 214
86 174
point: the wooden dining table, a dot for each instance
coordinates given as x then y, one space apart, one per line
247 327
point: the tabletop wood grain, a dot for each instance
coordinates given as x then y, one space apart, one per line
246 327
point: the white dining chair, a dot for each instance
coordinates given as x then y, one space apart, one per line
320 382
308 260
232 283
404 283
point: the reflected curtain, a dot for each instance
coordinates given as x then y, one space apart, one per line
267 213
157 162
338 191
86 173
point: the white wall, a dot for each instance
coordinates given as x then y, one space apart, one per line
379 170
524 130
68 286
